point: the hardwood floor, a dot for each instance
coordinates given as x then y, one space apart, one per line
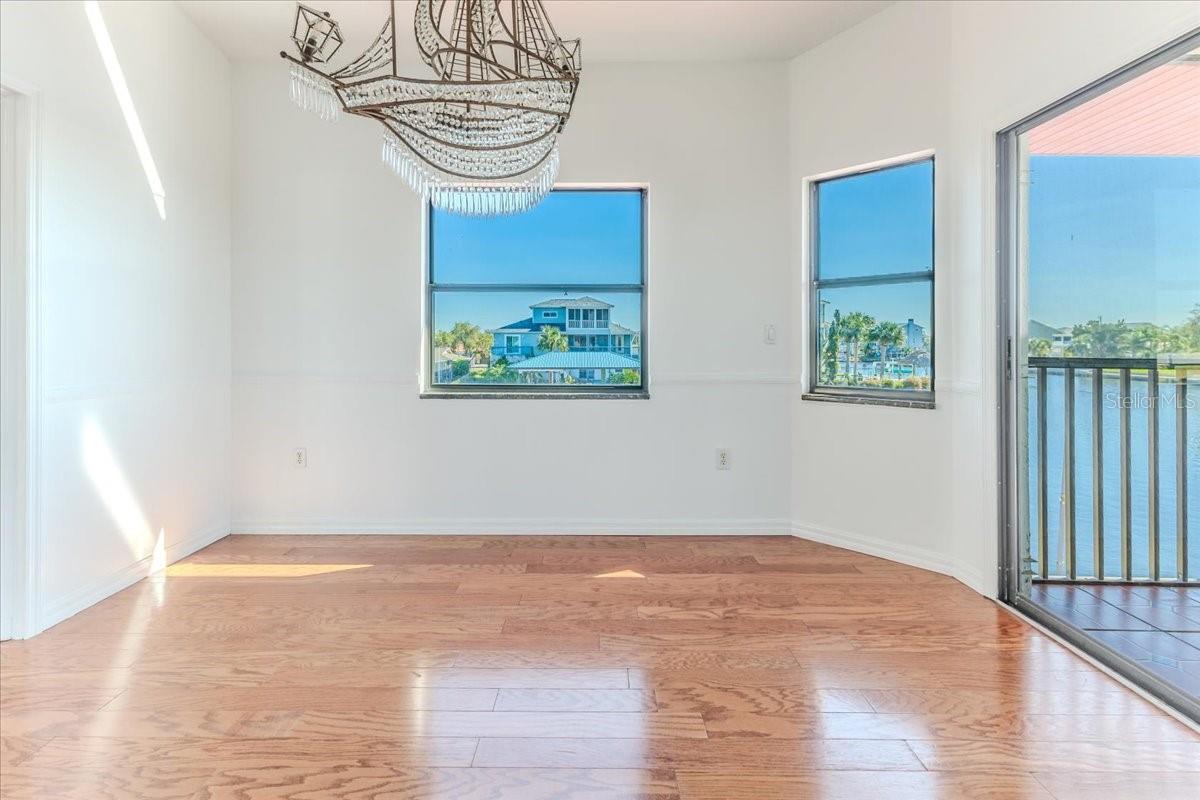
473 668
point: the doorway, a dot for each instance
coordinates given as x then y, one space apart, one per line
17 134
1099 268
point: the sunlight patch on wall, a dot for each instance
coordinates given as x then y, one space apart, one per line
117 77
115 493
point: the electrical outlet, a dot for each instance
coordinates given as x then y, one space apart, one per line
300 457
770 336
723 458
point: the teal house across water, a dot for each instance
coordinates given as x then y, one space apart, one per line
597 347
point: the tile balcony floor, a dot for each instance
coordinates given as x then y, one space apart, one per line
1158 626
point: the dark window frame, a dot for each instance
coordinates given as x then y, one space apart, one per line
905 398
432 389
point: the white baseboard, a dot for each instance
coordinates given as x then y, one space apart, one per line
913 556
986 585
58 610
533 526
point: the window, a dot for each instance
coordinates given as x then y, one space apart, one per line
872 290
516 293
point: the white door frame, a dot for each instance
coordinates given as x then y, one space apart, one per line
20 379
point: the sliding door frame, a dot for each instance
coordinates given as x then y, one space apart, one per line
1012 326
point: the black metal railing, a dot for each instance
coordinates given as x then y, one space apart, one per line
1157 375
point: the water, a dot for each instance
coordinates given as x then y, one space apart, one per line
1139 475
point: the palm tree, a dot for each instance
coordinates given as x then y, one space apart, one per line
855 327
552 340
1187 334
833 343
885 335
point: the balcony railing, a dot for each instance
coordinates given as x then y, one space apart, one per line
1114 388
625 349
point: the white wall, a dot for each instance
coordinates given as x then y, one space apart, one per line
326 326
945 76
133 311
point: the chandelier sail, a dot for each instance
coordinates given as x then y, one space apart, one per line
480 136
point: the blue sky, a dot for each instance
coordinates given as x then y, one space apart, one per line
571 237
877 222
1113 237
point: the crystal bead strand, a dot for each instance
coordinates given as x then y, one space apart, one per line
314 94
475 199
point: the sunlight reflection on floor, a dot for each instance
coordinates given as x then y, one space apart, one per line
257 570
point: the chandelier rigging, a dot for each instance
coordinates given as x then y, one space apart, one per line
481 136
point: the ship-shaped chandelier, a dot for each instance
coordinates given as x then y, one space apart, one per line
481 136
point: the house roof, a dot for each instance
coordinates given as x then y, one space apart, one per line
527 325
1040 330
578 359
446 354
572 302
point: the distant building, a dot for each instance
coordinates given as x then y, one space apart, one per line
596 346
449 365
574 366
1059 338
914 334
1040 330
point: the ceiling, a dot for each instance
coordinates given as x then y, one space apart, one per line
612 30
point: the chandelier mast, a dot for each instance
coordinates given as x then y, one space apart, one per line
480 136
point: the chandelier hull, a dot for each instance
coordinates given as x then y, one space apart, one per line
481 137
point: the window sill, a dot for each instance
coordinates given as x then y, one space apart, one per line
502 395
866 400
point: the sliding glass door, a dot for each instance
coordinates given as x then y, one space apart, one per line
1100 242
